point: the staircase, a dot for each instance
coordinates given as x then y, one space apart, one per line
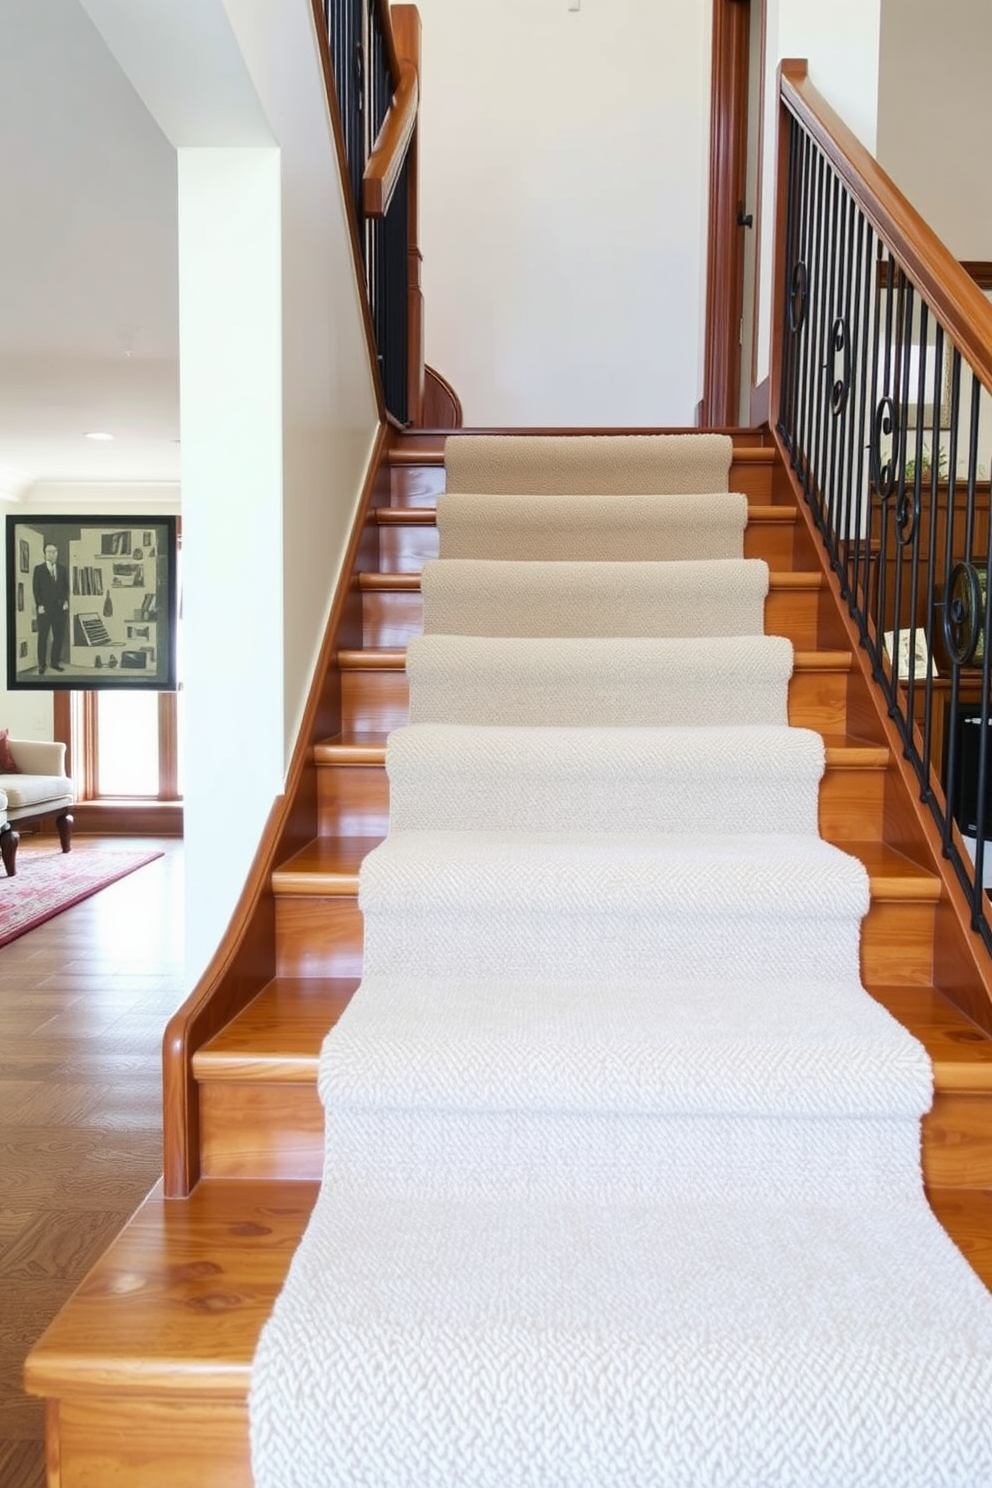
146 1370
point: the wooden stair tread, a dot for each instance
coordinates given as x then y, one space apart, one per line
393 659
409 583
841 752
960 1051
178 1301
328 866
892 874
364 746
426 448
854 754
279 1034
191 1285
426 516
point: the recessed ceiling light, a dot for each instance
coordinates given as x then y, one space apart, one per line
98 435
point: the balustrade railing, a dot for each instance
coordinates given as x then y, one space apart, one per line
377 96
883 405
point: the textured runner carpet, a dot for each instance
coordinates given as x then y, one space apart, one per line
594 682
716 597
622 1183
599 527
582 465
47 882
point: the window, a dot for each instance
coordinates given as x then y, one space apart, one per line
124 744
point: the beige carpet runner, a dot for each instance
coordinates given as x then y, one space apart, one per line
529 528
622 1182
573 682
721 597
587 464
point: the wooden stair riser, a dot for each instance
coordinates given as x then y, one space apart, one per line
897 942
277 1131
318 937
419 483
321 935
852 804
406 547
354 800
186 1442
391 617
957 1142
377 700
259 1130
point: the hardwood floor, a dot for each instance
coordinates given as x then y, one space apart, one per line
83 1003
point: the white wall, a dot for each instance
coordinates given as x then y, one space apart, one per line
933 135
230 394
329 415
563 202
278 409
841 43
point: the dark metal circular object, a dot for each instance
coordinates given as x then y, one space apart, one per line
964 613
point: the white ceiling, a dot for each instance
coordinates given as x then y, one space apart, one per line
88 263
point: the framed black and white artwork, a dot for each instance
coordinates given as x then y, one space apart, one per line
91 602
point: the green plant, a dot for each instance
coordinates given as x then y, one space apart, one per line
926 464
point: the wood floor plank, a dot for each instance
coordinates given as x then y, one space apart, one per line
82 1004
20 1466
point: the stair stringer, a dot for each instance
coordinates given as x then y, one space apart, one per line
245 959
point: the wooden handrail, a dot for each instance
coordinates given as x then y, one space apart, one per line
953 296
389 152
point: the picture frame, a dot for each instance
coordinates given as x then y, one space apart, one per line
913 642
937 381
104 618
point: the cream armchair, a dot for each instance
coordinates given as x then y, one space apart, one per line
41 789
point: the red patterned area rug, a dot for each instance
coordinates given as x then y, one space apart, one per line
46 883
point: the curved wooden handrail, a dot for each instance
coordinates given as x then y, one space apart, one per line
953 296
389 152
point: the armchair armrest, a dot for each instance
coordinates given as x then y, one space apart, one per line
39 756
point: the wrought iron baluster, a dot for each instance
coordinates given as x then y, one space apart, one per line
857 385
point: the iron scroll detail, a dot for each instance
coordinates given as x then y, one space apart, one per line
883 477
907 514
798 296
840 346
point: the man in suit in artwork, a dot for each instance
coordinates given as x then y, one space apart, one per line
50 582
